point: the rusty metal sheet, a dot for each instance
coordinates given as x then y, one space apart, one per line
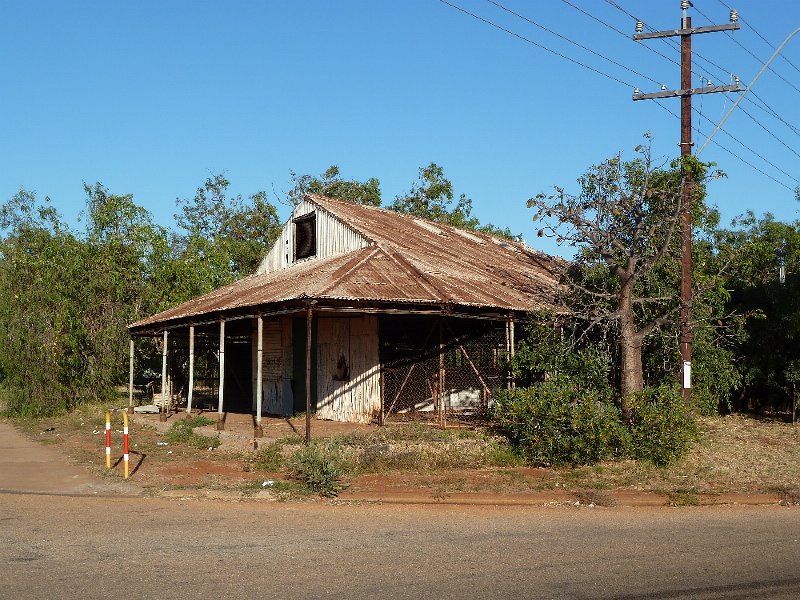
409 260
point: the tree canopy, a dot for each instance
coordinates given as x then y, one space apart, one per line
67 295
624 224
331 184
431 197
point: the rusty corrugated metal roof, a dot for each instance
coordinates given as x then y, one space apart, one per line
410 260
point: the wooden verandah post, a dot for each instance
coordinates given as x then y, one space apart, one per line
440 399
164 393
220 412
512 346
191 371
309 320
257 430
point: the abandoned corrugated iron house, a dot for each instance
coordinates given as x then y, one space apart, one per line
359 314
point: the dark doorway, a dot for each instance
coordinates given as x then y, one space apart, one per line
238 374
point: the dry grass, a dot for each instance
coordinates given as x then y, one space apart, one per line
736 454
740 453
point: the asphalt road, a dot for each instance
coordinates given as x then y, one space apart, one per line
105 547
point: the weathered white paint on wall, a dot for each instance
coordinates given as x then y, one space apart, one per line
333 238
348 369
276 378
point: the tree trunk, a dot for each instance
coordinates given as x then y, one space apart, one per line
631 378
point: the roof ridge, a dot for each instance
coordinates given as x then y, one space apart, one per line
404 262
351 265
321 199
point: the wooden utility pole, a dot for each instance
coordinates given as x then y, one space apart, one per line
686 92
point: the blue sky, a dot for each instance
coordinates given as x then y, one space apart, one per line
150 98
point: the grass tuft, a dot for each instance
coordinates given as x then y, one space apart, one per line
182 432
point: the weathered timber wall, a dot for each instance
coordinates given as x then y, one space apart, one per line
333 238
276 365
348 380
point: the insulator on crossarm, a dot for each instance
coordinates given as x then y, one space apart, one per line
635 90
663 87
734 15
639 27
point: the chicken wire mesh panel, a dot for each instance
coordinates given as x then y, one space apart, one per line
205 389
435 368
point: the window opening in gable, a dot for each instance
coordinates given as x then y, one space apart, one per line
305 236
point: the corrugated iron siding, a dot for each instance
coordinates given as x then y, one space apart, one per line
333 238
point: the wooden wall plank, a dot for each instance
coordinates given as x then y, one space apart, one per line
357 398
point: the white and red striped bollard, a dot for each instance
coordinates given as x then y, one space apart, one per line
108 439
125 441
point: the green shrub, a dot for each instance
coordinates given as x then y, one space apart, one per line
269 458
322 466
552 423
197 421
715 375
182 432
662 429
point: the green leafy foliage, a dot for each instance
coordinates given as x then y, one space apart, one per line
67 296
662 429
624 222
548 349
223 238
551 423
322 467
716 376
66 300
766 336
269 457
431 197
331 184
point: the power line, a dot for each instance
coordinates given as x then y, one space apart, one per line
627 85
530 41
758 59
755 152
769 110
619 31
757 122
732 153
766 107
574 43
773 165
673 44
765 40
